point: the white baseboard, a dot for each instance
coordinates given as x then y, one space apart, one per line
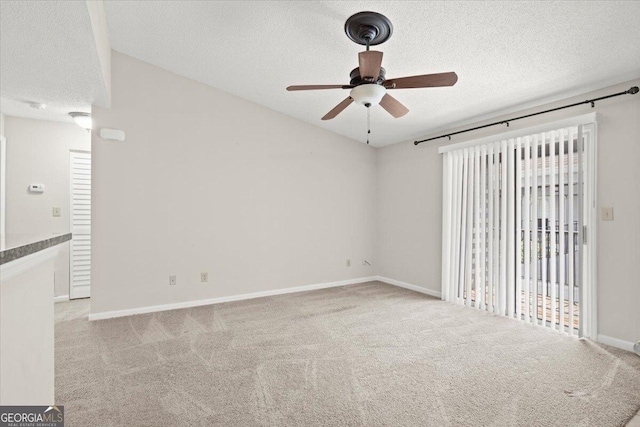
197 303
61 298
409 286
615 342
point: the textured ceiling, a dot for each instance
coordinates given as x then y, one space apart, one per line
48 55
507 54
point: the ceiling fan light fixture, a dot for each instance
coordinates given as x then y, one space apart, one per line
370 94
82 119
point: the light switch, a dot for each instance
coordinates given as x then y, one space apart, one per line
607 214
56 211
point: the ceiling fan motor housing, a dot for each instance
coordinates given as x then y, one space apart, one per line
357 80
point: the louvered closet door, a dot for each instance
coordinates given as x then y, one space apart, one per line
80 259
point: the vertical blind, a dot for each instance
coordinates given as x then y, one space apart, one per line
513 227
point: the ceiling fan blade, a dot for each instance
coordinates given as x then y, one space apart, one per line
369 63
425 80
338 109
393 106
316 87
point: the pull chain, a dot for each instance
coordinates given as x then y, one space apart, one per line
368 123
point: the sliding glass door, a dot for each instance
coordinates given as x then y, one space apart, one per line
514 227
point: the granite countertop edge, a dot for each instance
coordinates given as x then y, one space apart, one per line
13 254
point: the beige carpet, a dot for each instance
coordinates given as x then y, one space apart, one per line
369 354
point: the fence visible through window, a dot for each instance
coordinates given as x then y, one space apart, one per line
543 265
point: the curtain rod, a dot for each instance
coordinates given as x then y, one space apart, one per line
632 91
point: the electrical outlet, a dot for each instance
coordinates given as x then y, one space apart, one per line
204 277
607 214
348 263
56 211
172 280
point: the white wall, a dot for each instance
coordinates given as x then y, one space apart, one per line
409 197
27 373
208 182
38 152
3 179
410 206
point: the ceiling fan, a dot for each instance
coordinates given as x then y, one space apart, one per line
368 83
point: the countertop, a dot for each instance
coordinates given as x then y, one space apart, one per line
15 246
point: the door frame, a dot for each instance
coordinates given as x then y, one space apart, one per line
589 241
